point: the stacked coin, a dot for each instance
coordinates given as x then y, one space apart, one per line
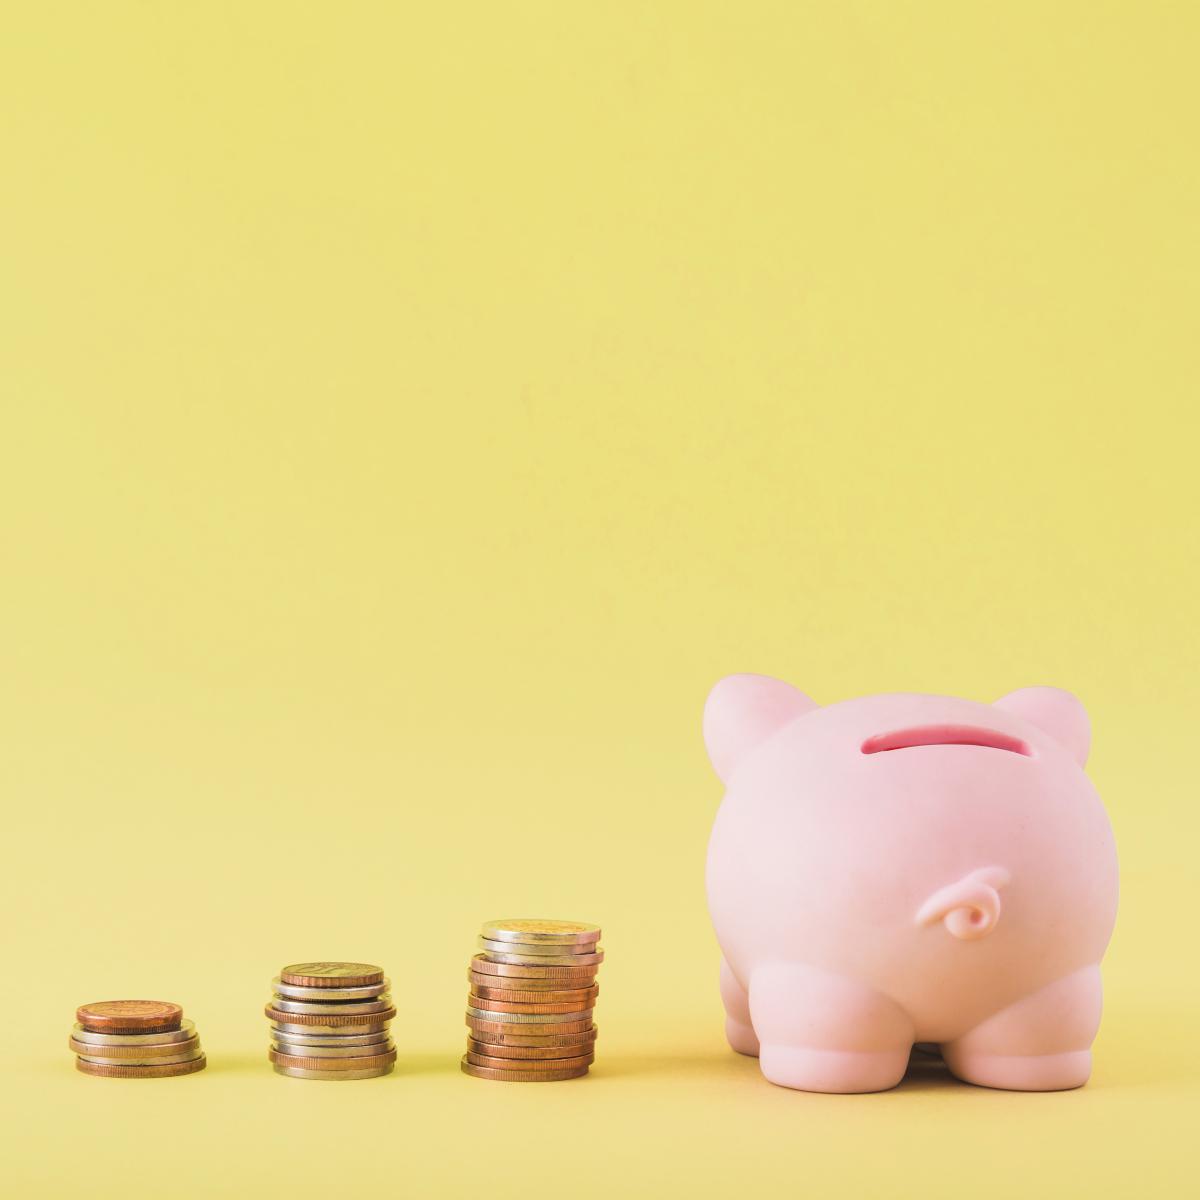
135 1039
329 1020
529 1011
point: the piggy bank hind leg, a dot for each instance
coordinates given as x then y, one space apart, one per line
736 999
1042 1043
827 1033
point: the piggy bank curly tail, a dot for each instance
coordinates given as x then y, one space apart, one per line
968 908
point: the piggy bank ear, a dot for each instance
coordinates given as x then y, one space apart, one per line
743 710
1059 713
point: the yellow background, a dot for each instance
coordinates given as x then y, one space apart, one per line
410 410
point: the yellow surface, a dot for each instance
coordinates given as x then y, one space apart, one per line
410 411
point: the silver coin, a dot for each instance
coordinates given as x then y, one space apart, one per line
187 1056
299 1050
87 1049
366 1027
495 952
280 1034
355 1008
291 991
186 1030
537 950
519 1018
304 1073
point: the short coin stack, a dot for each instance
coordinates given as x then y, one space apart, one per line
135 1039
529 1011
329 1020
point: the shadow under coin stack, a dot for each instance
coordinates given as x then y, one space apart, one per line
533 989
329 1020
135 1039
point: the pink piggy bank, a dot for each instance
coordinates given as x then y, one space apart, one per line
907 868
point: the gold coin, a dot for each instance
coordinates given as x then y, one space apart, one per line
525 1053
535 1064
302 1073
482 1004
469 1068
561 933
162 1071
365 1007
303 1062
502 1037
331 1021
107 1060
518 1018
538 956
185 1032
91 1050
527 1030
536 990
566 976
331 974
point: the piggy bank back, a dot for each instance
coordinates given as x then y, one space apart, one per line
907 868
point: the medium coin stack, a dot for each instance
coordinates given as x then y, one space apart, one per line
529 1011
135 1039
329 1020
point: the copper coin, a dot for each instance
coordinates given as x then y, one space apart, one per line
528 1030
522 995
160 1072
299 1062
535 1064
290 991
129 1016
525 984
526 929
331 974
499 1050
168 1050
524 1040
469 1068
330 1021
482 1004
566 976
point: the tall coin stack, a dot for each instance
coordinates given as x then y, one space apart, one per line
135 1039
529 1011
329 1020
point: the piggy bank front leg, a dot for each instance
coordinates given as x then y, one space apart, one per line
1042 1043
738 1027
826 1033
